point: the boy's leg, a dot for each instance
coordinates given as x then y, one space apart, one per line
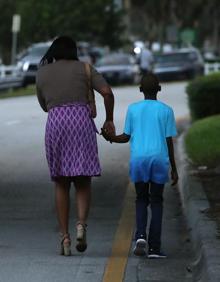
142 202
156 202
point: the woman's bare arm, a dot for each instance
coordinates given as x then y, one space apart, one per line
108 96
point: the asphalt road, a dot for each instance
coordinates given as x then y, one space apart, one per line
28 227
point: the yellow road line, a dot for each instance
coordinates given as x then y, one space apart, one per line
115 268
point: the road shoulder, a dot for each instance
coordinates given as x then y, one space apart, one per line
203 231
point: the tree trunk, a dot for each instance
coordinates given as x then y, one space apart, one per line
216 30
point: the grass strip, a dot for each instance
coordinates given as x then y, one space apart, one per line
12 93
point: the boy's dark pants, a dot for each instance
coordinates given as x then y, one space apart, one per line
149 193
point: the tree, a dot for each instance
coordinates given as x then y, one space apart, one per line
150 18
96 21
155 15
7 9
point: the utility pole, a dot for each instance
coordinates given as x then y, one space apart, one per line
16 24
127 4
127 7
216 29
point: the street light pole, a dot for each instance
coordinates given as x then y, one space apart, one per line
14 47
16 24
127 7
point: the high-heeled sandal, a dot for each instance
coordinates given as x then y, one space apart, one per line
81 245
65 247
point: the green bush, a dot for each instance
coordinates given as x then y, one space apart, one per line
202 141
204 96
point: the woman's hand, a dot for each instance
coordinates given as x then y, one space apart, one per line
109 127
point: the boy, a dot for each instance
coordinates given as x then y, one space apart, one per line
149 127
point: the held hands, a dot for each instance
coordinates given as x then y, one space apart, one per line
174 177
108 130
109 127
106 135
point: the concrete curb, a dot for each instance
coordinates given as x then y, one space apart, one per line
203 231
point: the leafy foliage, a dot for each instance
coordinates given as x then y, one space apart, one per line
96 21
204 96
155 15
202 141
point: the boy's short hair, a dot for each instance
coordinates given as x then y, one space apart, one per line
150 83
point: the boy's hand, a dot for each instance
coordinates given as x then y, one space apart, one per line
174 177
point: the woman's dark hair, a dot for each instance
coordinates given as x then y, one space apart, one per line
62 48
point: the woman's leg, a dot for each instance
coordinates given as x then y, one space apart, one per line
83 197
62 189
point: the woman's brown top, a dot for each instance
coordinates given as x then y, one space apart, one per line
64 82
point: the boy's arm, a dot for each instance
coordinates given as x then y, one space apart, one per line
174 173
123 138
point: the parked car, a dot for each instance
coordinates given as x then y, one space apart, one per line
185 63
29 60
119 68
10 77
97 52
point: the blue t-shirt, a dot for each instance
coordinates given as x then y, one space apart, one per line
148 123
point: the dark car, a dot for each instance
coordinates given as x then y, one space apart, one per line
119 68
29 60
182 64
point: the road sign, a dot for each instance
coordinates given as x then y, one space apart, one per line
188 36
16 23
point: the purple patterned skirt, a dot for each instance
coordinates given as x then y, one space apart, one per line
70 139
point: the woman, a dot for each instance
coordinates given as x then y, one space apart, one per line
70 138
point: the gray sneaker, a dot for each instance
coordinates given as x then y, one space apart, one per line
140 247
